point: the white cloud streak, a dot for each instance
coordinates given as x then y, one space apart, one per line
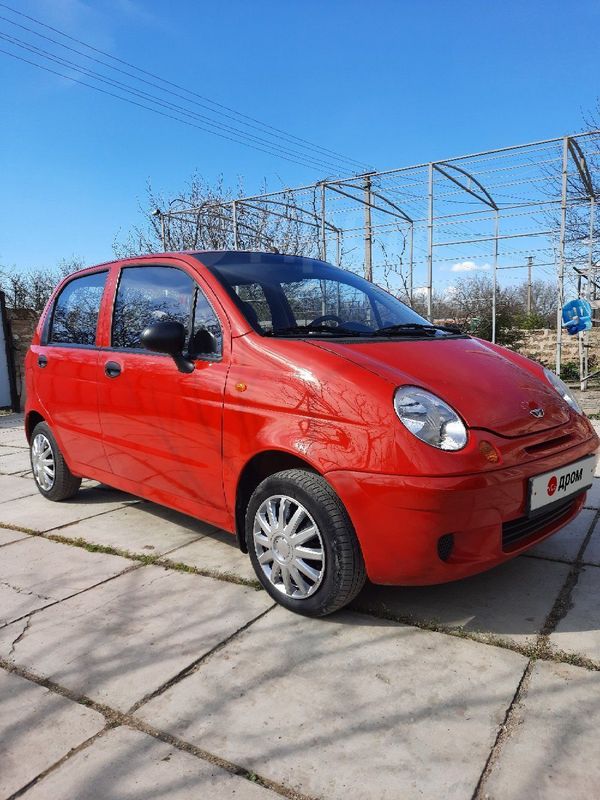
469 266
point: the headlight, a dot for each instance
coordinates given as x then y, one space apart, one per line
430 419
563 390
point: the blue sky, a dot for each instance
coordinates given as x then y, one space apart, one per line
386 83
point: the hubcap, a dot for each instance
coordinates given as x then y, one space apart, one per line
289 547
42 462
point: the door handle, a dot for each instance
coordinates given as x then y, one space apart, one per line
112 369
42 361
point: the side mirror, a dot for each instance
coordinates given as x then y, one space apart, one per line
168 337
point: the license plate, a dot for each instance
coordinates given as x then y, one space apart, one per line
561 483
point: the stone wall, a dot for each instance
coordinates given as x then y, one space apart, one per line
22 324
541 346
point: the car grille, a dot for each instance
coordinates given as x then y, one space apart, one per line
517 529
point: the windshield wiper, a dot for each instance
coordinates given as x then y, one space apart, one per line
302 330
410 328
403 329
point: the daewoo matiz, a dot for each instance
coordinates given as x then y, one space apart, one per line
332 429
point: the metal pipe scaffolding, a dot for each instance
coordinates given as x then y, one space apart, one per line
423 226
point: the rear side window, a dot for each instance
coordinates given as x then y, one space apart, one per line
147 295
75 314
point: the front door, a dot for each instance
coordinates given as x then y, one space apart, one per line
162 428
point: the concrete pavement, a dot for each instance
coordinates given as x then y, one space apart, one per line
138 659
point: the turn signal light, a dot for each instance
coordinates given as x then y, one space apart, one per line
489 452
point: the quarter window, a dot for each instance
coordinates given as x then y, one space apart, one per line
75 315
205 320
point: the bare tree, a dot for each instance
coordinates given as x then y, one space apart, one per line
471 300
393 273
30 289
207 223
543 303
577 228
578 218
442 306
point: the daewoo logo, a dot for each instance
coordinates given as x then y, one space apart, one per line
538 413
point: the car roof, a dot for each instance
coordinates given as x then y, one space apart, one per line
208 258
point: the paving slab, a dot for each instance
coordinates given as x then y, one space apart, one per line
591 554
566 543
14 463
35 572
144 528
11 419
218 551
593 496
13 487
8 450
130 635
347 706
125 764
579 630
510 602
37 728
39 514
553 749
13 437
8 537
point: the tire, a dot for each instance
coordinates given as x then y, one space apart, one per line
290 504
53 478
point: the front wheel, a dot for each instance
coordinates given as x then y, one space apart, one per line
52 476
302 544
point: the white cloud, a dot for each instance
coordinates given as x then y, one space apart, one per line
468 266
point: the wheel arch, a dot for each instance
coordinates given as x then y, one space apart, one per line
31 420
256 469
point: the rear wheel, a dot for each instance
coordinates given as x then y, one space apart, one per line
52 476
302 544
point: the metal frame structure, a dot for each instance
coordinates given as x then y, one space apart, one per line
527 206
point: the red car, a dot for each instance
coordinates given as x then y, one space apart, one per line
332 429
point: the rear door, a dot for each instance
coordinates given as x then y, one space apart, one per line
65 371
162 428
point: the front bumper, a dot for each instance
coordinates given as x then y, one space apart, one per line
399 520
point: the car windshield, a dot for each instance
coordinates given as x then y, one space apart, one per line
295 296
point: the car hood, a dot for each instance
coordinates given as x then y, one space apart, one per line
490 387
